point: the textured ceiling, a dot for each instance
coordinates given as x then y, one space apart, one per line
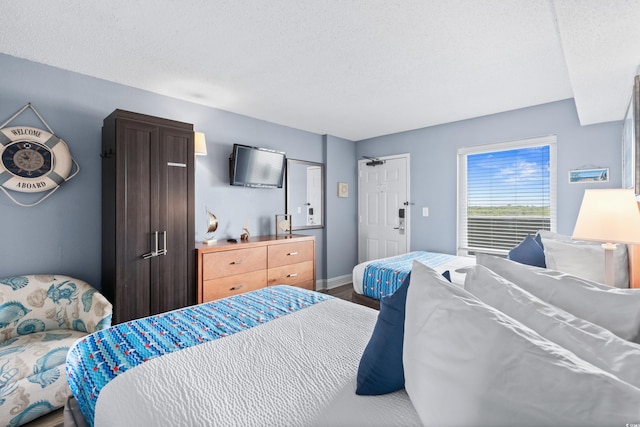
350 68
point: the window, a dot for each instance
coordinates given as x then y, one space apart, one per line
505 191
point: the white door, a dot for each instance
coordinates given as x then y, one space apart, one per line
383 199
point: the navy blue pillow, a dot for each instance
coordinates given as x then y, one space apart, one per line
528 252
447 276
538 240
381 369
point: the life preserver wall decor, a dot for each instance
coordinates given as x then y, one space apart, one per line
33 160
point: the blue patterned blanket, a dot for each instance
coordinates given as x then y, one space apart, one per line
98 358
383 277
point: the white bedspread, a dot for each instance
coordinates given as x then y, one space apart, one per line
293 371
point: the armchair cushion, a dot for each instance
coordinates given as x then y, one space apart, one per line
33 367
40 318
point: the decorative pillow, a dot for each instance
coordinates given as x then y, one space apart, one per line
380 369
447 275
467 363
584 259
529 252
586 340
538 240
617 310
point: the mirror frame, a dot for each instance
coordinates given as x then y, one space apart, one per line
290 163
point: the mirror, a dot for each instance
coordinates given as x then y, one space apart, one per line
305 193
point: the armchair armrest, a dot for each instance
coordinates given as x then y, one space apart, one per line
92 312
37 303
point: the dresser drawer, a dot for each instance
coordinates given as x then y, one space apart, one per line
293 274
290 253
233 285
231 263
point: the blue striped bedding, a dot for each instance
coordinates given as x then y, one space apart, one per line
100 357
383 277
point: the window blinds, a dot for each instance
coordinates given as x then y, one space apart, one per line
505 191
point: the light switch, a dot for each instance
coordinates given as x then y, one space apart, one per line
425 211
299 209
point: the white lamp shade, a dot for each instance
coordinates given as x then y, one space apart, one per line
609 216
200 144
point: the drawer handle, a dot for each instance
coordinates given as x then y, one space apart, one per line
237 262
235 288
292 253
293 275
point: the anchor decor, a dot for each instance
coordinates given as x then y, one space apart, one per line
33 160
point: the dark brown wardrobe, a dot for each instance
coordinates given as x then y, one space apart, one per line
148 255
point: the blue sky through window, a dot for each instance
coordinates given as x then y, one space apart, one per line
519 177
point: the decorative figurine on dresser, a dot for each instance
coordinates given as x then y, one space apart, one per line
148 216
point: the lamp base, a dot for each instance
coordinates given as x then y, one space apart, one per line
609 271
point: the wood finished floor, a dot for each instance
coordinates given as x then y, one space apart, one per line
55 419
52 419
342 292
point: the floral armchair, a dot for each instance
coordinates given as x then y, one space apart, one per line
41 316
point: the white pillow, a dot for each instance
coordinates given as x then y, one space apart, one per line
617 310
583 259
467 363
586 340
546 234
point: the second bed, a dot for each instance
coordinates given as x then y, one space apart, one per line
375 279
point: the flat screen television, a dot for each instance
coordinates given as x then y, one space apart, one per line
256 167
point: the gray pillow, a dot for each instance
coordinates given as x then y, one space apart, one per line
583 259
617 310
586 340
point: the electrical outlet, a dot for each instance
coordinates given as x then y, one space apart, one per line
425 211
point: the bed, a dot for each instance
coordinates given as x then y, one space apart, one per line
375 279
478 354
297 351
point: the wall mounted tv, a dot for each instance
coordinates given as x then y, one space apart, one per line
256 167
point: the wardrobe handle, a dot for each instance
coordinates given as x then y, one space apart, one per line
163 251
292 253
237 262
155 251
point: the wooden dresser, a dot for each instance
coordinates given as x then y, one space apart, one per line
226 269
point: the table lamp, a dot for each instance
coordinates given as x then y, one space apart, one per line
610 216
200 144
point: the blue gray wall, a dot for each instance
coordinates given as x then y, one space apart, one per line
341 212
434 162
62 234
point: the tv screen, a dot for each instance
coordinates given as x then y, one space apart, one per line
256 167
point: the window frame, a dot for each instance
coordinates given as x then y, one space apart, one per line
461 199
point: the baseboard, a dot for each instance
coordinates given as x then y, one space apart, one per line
334 282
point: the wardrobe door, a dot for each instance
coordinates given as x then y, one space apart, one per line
134 217
173 272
